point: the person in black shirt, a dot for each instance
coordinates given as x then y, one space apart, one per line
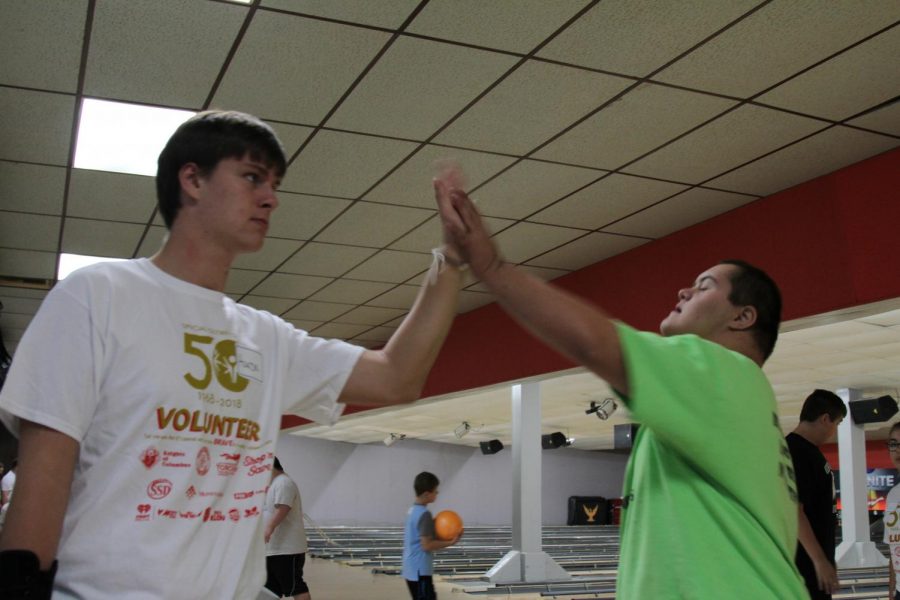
821 414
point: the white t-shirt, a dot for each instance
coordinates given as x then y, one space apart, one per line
175 393
8 482
892 529
290 535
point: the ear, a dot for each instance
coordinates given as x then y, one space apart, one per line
744 319
189 176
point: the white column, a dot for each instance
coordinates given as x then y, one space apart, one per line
526 562
856 549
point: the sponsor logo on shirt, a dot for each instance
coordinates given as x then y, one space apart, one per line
167 512
242 495
202 461
175 459
226 469
143 512
159 488
149 457
235 457
234 514
190 492
251 512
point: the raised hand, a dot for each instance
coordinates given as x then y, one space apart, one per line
464 232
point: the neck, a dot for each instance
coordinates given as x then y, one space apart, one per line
808 432
182 256
741 342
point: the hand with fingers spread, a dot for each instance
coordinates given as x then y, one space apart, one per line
464 232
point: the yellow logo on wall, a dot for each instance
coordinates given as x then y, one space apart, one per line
591 512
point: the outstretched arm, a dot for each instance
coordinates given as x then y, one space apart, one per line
43 478
575 328
396 374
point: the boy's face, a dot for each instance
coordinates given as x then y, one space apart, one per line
431 496
703 309
235 202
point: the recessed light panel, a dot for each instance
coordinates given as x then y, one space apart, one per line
124 138
71 262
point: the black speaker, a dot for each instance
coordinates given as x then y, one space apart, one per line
491 446
623 436
873 410
553 440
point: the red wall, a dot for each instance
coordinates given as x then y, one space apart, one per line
830 243
876 455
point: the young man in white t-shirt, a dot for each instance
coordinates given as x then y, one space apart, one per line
892 516
147 402
285 537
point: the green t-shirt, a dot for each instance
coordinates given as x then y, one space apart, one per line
711 500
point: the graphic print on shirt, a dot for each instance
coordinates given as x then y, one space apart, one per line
208 435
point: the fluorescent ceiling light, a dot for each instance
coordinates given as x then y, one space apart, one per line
71 262
124 138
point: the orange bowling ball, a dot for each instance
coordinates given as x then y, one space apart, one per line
447 525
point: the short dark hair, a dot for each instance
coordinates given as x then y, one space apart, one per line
277 465
207 138
751 286
425 482
823 402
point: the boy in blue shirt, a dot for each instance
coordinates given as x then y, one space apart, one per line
418 539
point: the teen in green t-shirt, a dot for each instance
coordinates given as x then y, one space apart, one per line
711 499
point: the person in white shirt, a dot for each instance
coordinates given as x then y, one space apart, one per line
147 402
285 537
892 515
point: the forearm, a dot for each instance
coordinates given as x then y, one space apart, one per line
280 514
435 544
43 480
396 374
575 328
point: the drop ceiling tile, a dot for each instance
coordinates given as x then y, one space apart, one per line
35 126
643 119
153 241
351 292
150 38
862 77
366 343
739 136
636 38
13 305
241 281
530 106
512 26
428 235
391 266
276 306
411 183
342 331
288 89
13 321
25 293
304 325
328 260
378 334
545 273
470 300
587 250
272 254
344 164
375 225
300 217
384 13
529 186
29 232
401 97
606 201
689 208
291 136
100 238
310 310
886 319
284 285
31 188
370 315
111 196
28 60
27 263
524 241
401 297
795 34
821 154
886 119
395 322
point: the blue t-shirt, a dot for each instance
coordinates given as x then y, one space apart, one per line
416 560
